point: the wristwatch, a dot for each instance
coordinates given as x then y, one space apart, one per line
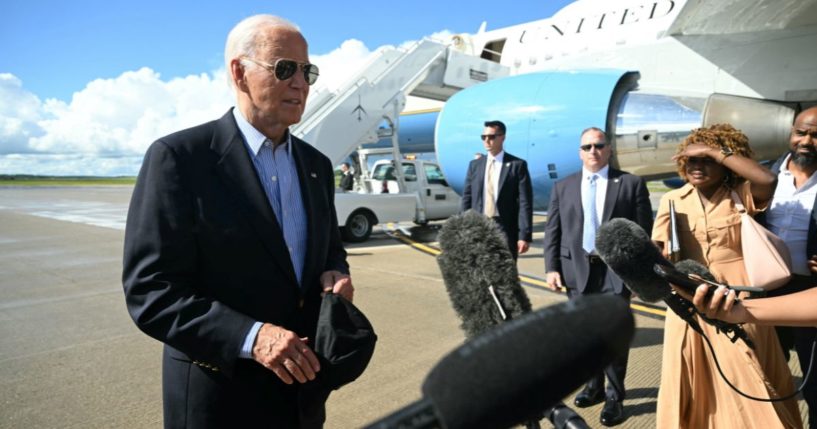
726 152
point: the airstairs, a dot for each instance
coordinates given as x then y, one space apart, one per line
338 122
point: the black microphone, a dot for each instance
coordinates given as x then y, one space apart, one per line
627 250
479 273
508 374
480 276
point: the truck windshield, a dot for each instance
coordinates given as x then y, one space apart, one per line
386 172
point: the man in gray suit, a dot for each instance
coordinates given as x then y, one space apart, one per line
578 205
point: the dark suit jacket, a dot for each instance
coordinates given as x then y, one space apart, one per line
204 258
811 241
627 197
347 181
515 198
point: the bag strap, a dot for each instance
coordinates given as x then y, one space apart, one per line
738 203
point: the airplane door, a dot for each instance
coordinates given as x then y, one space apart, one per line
439 199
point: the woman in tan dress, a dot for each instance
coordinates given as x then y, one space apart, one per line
715 161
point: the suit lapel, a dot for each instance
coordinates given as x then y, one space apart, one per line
610 197
573 187
479 180
309 182
503 172
238 173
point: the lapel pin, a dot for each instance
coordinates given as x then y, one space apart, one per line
615 180
314 176
507 164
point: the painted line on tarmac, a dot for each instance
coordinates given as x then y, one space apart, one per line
644 309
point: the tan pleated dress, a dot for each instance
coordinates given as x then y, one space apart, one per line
692 394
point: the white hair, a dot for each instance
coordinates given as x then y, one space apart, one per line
243 38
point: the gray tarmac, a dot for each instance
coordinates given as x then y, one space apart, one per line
71 357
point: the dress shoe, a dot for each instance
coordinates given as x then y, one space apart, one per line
563 417
612 413
587 398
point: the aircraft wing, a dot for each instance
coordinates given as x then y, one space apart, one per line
721 17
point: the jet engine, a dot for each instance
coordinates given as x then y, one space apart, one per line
546 112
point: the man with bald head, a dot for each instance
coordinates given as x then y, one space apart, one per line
230 242
792 215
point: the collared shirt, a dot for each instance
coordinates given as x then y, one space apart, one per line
601 187
279 177
708 232
494 162
790 213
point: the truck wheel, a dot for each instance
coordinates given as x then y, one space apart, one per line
358 227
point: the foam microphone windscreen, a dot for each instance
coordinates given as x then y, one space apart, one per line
628 251
688 266
511 373
475 256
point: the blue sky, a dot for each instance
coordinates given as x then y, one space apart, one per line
83 83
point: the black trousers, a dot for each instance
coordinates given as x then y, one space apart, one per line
510 236
617 370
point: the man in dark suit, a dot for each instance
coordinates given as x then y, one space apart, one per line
578 205
347 180
498 185
231 239
792 215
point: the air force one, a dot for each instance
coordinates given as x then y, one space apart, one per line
646 71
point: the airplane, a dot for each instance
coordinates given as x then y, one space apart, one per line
646 71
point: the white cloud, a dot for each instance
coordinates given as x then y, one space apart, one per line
19 112
125 114
106 127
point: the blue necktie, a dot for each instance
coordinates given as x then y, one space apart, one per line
590 221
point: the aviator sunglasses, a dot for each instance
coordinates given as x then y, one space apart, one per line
284 69
598 146
490 136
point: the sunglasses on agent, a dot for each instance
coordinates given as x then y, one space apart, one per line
284 69
598 146
490 136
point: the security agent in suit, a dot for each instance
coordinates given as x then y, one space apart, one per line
231 239
347 180
580 203
792 215
504 193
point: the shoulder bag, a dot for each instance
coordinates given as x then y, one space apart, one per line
765 255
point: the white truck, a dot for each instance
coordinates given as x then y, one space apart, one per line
423 196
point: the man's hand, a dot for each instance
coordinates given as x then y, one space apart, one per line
339 283
522 246
282 352
554 281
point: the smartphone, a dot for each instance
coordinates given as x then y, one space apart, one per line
689 285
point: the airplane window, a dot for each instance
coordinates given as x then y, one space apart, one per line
493 50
